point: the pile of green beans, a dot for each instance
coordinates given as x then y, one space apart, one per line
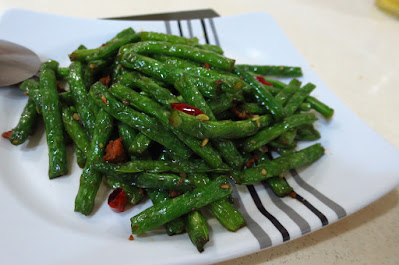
125 89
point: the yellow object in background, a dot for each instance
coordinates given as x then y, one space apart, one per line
390 6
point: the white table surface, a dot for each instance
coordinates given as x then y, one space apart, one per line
353 47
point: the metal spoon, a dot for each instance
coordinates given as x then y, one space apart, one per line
17 63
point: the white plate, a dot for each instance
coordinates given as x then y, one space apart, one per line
39 226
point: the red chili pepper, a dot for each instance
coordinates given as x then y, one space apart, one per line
186 108
117 200
7 135
263 81
207 66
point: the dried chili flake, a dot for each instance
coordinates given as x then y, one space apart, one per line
117 200
263 80
7 135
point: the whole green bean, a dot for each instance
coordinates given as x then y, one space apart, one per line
281 164
273 70
104 51
164 212
26 123
155 36
90 179
157 166
266 135
162 181
51 111
179 50
226 129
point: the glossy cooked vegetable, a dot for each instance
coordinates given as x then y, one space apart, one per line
165 117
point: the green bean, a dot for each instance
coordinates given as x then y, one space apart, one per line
305 106
262 94
176 226
272 70
197 229
105 51
164 212
225 129
90 179
288 137
222 209
145 124
51 111
158 166
166 73
150 107
159 93
307 133
294 102
80 157
92 70
175 61
26 123
162 181
79 92
180 50
251 108
210 47
140 143
222 103
192 96
279 186
75 131
281 164
133 193
266 135
32 88
155 36
288 91
320 107
62 72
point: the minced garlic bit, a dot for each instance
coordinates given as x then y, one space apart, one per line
183 175
281 175
204 142
104 100
125 102
76 116
225 186
101 145
263 172
92 66
256 118
281 68
202 117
